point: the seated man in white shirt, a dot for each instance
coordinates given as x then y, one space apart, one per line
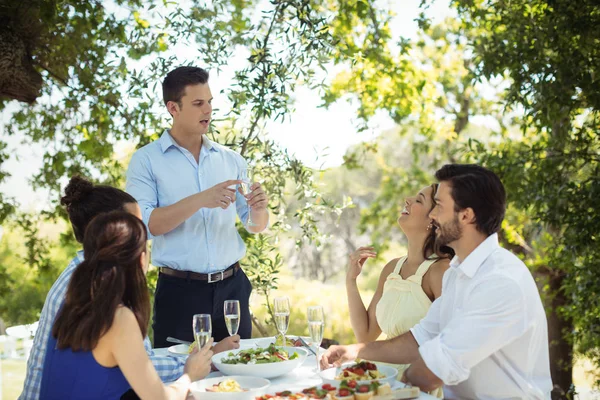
486 336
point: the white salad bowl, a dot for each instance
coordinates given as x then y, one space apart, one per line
269 370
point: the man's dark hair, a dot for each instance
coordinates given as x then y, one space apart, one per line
477 188
176 81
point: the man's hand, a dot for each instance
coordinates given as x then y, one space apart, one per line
219 195
257 198
229 343
337 355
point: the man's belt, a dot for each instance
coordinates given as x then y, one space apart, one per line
210 278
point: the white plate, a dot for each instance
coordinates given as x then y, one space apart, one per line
296 388
255 387
329 374
180 350
260 370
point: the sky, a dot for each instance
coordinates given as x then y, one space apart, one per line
317 136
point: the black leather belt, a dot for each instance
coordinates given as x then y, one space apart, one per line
210 278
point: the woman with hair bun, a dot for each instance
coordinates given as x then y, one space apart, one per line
83 201
96 350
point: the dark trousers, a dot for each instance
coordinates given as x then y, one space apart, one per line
177 300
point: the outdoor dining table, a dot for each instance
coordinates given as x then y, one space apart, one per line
302 377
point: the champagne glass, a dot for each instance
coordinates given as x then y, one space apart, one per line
231 309
202 325
316 326
281 307
246 183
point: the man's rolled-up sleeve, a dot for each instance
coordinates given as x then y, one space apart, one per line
429 326
142 186
492 317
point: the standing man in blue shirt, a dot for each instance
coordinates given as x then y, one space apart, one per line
185 185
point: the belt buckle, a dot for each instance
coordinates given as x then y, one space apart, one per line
210 280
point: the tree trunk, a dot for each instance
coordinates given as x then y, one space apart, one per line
561 351
18 79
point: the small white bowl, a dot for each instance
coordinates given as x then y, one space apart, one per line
255 387
329 375
179 350
270 370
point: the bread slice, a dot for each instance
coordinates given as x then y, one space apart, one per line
384 388
400 394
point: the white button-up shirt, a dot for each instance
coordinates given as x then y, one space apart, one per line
486 337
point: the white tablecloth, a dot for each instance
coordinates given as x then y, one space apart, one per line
299 379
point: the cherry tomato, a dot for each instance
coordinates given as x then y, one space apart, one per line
363 389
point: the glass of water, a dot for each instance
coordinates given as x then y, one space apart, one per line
245 185
231 310
202 325
316 326
281 309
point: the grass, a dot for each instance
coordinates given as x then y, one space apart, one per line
13 375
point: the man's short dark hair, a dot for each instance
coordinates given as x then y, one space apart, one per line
478 188
176 81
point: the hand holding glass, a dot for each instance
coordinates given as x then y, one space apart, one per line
202 325
231 310
281 306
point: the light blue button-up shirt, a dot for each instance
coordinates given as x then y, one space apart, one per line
163 173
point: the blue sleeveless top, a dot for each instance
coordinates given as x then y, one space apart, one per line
69 374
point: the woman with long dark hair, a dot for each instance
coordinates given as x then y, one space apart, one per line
407 285
96 349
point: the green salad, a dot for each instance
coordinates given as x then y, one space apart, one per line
259 355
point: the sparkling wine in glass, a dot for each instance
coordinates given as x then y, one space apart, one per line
245 185
316 326
281 310
231 309
202 325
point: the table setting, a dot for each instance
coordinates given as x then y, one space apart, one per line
285 366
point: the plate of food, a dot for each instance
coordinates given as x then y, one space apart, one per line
180 350
363 373
267 362
229 387
347 390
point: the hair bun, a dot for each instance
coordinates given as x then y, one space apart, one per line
77 189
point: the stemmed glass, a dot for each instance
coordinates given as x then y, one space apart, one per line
202 325
231 309
316 326
246 184
281 306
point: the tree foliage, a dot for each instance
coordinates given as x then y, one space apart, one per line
101 64
551 52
